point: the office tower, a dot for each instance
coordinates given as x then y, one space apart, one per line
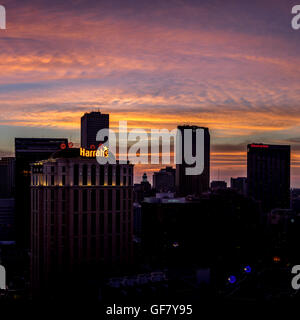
215 185
7 180
164 180
91 123
239 184
193 184
268 175
82 214
28 150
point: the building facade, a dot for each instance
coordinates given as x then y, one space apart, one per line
193 184
91 123
82 213
268 175
29 150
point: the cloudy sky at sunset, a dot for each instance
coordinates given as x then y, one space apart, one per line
233 66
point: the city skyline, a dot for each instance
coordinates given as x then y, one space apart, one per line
233 69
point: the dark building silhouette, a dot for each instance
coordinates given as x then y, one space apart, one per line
239 184
164 180
268 175
7 177
206 230
28 150
193 184
142 190
91 123
215 185
7 208
82 216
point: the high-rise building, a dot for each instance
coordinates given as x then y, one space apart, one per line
193 184
164 180
268 175
239 184
91 123
82 214
28 150
7 174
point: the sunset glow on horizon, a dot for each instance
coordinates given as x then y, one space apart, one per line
233 68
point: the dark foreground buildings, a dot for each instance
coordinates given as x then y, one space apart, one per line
81 217
268 175
29 150
193 184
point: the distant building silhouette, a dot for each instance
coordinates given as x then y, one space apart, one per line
239 184
214 185
193 184
164 180
268 175
142 189
91 123
7 174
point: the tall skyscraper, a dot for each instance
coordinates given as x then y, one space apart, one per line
82 215
268 175
29 150
193 184
91 123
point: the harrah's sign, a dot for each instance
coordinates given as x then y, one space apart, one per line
103 152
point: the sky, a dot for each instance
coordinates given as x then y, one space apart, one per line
232 66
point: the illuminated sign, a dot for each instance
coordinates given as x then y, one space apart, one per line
259 146
103 152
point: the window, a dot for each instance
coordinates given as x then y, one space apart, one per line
52 180
109 175
63 180
93 175
101 200
109 200
101 175
84 224
101 222
84 200
93 200
118 175
118 222
75 222
84 175
109 222
118 200
75 200
93 223
76 175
